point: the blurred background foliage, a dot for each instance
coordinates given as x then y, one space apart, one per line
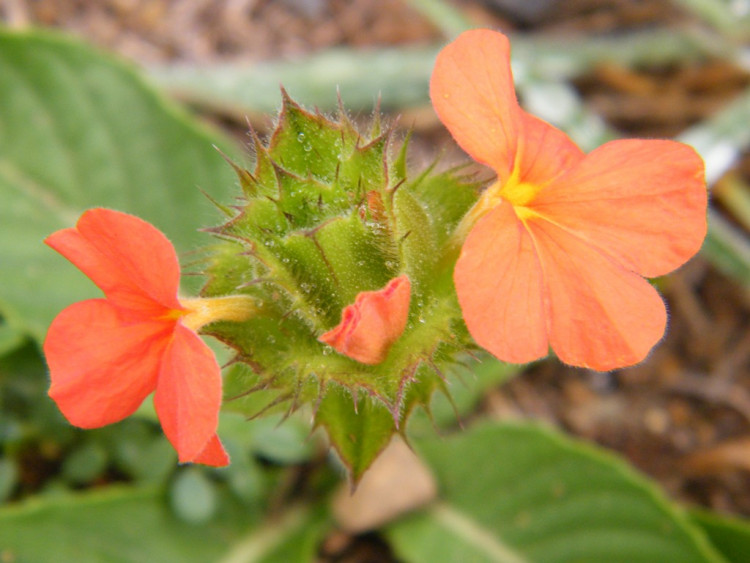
88 117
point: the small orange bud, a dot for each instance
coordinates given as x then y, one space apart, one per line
373 323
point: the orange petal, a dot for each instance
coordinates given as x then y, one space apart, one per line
213 454
545 152
130 260
601 316
472 92
499 285
373 323
188 394
641 201
101 369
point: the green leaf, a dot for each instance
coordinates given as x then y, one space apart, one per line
396 77
121 524
731 536
518 492
10 338
721 140
727 247
285 443
8 478
294 535
80 129
399 77
445 16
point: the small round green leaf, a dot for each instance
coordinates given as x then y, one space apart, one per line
85 464
193 497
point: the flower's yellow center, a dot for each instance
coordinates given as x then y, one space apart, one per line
519 194
202 311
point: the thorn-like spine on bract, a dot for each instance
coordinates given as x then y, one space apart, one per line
319 398
445 390
375 129
225 209
295 403
262 386
471 353
396 186
247 181
230 362
355 398
440 374
340 102
325 258
277 401
406 378
390 197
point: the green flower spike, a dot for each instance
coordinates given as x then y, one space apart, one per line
333 240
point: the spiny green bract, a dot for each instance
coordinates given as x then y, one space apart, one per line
328 213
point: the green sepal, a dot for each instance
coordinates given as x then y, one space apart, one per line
358 426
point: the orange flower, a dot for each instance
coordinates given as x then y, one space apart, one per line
557 246
372 323
106 355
